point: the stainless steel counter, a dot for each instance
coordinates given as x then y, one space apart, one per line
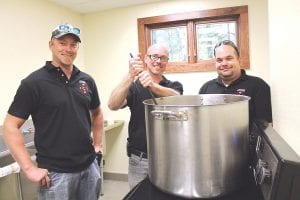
13 183
109 125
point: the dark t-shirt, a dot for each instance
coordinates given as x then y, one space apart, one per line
260 103
60 112
137 126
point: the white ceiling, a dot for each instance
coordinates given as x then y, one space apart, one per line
87 6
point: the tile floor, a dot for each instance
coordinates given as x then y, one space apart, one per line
114 190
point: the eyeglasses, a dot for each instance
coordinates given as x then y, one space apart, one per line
155 57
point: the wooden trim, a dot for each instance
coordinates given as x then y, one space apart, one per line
192 52
244 41
202 66
238 14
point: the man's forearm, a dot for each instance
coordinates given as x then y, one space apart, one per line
16 146
97 129
118 96
163 91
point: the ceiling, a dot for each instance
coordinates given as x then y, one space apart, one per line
87 6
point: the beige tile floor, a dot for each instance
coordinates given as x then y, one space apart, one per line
114 190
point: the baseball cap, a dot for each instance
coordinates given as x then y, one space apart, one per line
64 29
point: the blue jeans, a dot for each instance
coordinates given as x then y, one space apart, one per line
137 170
84 185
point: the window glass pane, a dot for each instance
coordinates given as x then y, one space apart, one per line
175 38
210 34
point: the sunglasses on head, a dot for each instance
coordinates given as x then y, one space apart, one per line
65 28
229 43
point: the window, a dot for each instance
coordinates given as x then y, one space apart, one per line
191 36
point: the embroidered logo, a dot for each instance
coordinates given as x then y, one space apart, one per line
83 87
241 91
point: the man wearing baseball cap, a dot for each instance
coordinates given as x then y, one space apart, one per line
64 105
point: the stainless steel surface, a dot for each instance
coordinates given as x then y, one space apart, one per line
15 186
198 144
27 129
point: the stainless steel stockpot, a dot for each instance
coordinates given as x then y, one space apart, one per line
198 144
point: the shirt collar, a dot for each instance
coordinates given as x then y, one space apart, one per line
49 67
164 81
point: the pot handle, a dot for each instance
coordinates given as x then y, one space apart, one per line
170 115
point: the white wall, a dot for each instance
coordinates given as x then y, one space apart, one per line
284 51
26 28
112 35
109 36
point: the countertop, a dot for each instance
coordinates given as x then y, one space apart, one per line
109 125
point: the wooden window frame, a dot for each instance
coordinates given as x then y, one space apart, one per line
238 14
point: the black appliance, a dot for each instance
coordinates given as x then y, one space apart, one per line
274 172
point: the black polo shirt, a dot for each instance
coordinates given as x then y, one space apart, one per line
60 112
137 126
260 103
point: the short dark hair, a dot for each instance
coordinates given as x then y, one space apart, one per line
229 43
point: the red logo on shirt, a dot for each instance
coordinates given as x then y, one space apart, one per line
83 87
241 91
